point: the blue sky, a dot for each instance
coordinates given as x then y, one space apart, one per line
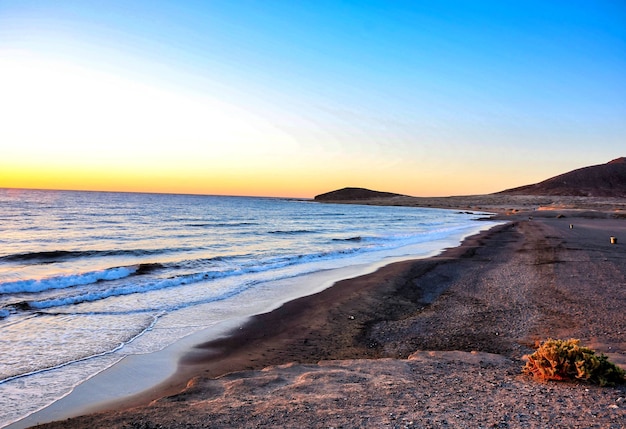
297 98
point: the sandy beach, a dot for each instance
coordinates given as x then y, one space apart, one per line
434 343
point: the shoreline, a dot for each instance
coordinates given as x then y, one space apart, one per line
98 393
366 319
505 205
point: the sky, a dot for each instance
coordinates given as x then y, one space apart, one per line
296 98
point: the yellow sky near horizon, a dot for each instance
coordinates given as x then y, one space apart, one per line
70 128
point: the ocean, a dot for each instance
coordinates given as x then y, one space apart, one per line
89 278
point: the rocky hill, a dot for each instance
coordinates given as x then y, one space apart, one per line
352 194
604 180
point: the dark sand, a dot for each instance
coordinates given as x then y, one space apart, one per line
428 343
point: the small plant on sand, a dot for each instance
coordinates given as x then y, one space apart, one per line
568 360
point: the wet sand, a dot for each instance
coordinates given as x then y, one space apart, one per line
427 343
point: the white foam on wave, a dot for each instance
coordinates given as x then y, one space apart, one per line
64 364
267 265
65 281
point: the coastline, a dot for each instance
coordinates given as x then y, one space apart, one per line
138 379
374 318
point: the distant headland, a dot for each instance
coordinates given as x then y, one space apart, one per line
345 194
597 187
604 180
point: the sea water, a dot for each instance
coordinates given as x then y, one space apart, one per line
88 278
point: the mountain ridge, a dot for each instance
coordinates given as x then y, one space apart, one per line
602 180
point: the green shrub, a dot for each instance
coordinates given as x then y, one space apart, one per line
568 360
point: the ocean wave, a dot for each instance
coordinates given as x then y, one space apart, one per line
267 264
54 256
127 289
44 257
229 267
66 281
220 224
335 214
292 232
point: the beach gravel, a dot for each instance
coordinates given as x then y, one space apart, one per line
436 343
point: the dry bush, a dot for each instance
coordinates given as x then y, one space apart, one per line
568 360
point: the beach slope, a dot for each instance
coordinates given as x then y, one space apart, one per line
428 343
